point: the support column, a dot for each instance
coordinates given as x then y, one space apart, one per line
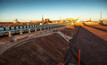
21 32
9 34
29 31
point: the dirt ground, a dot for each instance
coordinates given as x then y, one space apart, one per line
98 30
99 27
47 50
67 31
93 48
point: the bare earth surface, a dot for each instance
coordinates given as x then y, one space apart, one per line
93 45
47 50
6 44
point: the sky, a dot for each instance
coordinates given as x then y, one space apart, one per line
26 10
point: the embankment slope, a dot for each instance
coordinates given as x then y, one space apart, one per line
47 50
93 49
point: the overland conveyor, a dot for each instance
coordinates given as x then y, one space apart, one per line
10 29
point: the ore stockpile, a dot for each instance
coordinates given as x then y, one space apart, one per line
47 50
92 41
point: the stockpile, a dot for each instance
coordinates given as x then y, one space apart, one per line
98 30
102 27
47 50
93 49
67 31
99 27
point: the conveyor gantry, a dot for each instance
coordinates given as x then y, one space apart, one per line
28 28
